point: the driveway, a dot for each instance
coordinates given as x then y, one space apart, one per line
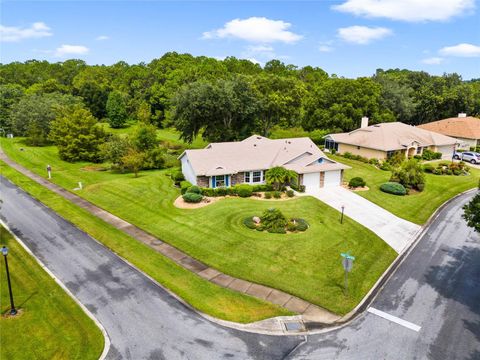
396 232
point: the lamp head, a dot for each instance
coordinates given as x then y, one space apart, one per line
4 251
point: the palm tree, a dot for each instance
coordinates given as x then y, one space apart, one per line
279 176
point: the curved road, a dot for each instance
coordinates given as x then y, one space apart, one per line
437 288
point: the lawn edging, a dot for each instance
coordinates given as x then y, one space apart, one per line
106 346
372 294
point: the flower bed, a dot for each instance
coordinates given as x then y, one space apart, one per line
273 221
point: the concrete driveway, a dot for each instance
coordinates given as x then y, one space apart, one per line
396 232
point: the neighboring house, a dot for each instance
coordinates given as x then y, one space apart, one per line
230 163
466 129
380 141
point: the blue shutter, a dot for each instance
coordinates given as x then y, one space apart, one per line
227 177
213 182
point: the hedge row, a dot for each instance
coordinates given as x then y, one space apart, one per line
242 190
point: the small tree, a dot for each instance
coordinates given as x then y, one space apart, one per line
410 174
116 109
144 137
471 213
76 133
279 176
133 161
114 150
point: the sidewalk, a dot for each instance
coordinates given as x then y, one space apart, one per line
309 312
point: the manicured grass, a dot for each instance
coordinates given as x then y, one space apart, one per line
305 264
169 134
205 296
417 207
49 325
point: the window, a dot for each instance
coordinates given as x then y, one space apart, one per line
257 176
254 177
390 154
219 181
247 177
419 150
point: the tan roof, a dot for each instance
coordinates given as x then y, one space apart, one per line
259 153
392 136
463 127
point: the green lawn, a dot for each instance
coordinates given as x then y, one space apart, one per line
203 295
50 325
417 207
306 264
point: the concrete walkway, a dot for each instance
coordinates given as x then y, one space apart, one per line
396 232
309 312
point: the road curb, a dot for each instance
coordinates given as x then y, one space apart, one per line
106 346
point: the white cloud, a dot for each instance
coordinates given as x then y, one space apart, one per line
13 34
255 29
461 50
407 10
432 61
102 37
255 61
325 48
264 51
363 34
66 50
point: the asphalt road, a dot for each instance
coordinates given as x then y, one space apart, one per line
437 288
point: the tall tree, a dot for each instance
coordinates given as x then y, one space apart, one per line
116 109
77 134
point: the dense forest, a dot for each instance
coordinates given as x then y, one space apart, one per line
220 100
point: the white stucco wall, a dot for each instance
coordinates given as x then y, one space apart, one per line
447 151
187 171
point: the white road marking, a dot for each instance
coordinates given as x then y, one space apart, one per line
395 319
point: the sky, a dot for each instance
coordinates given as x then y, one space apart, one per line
349 38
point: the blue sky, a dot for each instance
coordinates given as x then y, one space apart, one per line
347 37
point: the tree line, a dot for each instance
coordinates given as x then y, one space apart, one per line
221 100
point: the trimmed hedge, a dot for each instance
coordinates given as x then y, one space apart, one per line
243 190
393 188
356 182
192 197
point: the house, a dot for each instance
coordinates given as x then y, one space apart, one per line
466 129
230 163
380 141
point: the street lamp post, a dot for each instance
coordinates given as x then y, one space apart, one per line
13 311
343 209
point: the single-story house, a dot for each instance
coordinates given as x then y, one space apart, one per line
466 129
380 141
239 162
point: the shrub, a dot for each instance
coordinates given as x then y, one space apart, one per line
221 191
396 159
184 185
273 218
243 190
277 194
291 226
178 176
262 187
208 192
192 197
333 151
277 230
301 224
290 193
356 182
428 168
268 195
248 222
393 188
260 228
410 174
194 189
430 155
301 188
385 166
374 161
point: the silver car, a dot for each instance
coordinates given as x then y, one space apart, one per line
470 156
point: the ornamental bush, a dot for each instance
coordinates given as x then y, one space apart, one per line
184 186
273 218
221 191
277 194
356 182
244 190
268 195
194 189
393 188
192 197
301 224
410 174
248 222
290 193
178 176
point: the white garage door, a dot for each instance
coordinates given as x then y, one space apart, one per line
311 182
447 151
332 178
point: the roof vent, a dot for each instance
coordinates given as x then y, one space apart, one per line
254 144
259 138
462 115
364 122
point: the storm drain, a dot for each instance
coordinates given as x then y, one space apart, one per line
294 326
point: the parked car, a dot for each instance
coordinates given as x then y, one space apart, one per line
470 156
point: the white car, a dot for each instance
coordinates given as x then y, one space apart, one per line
470 156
